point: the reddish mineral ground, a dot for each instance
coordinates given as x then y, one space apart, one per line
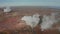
9 22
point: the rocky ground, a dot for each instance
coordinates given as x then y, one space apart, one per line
9 21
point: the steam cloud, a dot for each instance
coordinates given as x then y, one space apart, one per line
48 21
7 9
31 20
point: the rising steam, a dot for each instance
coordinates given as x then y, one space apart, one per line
48 21
7 9
31 20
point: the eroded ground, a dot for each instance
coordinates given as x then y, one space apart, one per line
9 21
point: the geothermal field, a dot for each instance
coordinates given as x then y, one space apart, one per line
29 20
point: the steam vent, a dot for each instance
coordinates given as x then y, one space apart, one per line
29 20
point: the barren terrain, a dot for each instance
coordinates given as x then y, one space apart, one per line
9 20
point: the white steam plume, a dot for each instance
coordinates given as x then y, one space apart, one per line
48 21
7 9
31 20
